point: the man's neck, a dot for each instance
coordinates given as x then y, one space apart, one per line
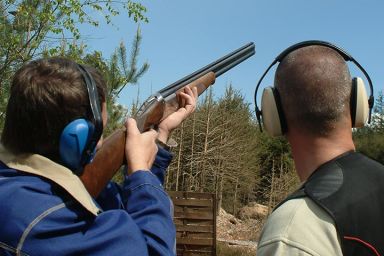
309 152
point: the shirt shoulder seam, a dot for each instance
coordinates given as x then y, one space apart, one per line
288 242
293 214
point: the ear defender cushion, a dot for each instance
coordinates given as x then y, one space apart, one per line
73 142
271 114
359 103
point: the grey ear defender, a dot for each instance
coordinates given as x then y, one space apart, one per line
359 103
273 116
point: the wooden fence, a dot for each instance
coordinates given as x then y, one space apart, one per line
195 220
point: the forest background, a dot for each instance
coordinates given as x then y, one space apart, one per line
220 148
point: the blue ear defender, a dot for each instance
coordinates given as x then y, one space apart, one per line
79 138
73 141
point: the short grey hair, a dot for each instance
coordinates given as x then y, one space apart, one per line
314 84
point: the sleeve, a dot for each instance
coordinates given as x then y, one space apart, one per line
161 163
299 227
151 209
111 196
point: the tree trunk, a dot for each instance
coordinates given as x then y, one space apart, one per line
179 157
235 197
205 149
192 152
220 194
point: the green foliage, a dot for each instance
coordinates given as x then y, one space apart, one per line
371 144
370 139
378 116
125 72
118 72
33 28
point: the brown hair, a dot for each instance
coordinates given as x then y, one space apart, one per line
314 84
46 95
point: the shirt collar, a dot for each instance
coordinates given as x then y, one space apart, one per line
44 167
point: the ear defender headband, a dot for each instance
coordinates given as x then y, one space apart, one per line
272 112
79 138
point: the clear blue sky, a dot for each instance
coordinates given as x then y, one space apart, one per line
182 36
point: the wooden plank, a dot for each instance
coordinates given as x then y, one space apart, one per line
194 228
178 208
195 241
196 248
194 215
183 251
199 250
179 221
214 225
204 205
181 194
192 202
190 235
194 253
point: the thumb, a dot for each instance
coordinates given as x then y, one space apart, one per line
131 126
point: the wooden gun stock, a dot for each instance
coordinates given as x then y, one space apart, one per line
108 159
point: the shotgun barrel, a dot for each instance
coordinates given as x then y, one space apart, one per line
218 67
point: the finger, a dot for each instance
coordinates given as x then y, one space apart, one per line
131 126
188 90
190 102
181 98
187 96
188 99
195 92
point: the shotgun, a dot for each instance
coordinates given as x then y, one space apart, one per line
111 156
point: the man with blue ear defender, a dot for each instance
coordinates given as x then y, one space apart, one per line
338 209
54 122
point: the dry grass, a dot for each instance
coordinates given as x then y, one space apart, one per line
226 250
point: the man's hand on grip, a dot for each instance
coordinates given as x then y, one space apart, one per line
140 148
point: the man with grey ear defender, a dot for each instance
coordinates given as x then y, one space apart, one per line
315 103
